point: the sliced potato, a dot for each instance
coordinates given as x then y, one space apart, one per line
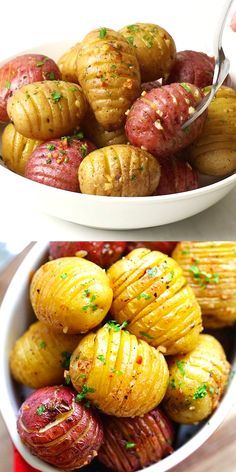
100 136
68 64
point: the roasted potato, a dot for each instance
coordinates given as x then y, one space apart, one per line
113 367
154 47
163 246
120 170
155 120
152 296
46 110
68 64
16 149
214 152
99 135
210 268
135 443
197 381
194 67
23 70
109 74
71 295
39 356
176 176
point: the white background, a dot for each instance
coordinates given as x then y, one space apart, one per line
191 22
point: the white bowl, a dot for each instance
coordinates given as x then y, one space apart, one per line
113 212
15 316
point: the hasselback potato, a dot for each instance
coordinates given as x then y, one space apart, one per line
134 443
39 357
210 268
197 381
120 375
71 295
68 64
194 67
46 110
100 136
151 294
108 72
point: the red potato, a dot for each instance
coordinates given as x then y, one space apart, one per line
58 429
55 163
147 86
102 253
21 71
154 122
176 176
194 67
163 246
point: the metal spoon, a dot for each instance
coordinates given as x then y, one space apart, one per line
221 71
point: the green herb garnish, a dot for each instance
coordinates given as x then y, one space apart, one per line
102 33
133 28
64 276
172 384
67 379
180 365
40 410
40 63
146 296
130 40
56 96
170 276
152 272
50 75
118 372
84 150
146 335
201 392
51 147
101 358
83 394
116 326
65 362
186 87
7 84
129 445
42 345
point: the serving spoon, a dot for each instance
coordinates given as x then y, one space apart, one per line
222 65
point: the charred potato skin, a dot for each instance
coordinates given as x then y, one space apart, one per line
81 297
150 435
197 381
119 170
154 47
100 136
109 74
47 110
68 64
37 358
151 294
115 366
210 268
193 67
16 149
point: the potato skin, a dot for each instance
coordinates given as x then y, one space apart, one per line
210 268
214 152
154 47
193 67
16 149
197 381
151 294
163 246
151 436
176 176
120 170
68 64
23 70
38 356
81 295
115 365
100 136
155 119
108 72
59 430
46 110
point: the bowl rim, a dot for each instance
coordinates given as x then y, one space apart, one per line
16 287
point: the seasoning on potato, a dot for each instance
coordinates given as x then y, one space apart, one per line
120 170
39 356
197 381
112 367
151 295
109 74
68 64
100 136
16 149
71 295
154 47
46 110
177 176
210 268
193 67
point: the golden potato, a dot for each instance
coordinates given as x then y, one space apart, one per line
99 136
214 152
48 109
108 72
197 381
68 64
210 268
70 294
121 375
39 357
151 294
154 47
16 149
120 170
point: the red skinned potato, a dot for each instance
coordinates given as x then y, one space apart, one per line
59 430
176 176
147 86
102 253
163 246
194 67
131 444
154 121
55 163
21 71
